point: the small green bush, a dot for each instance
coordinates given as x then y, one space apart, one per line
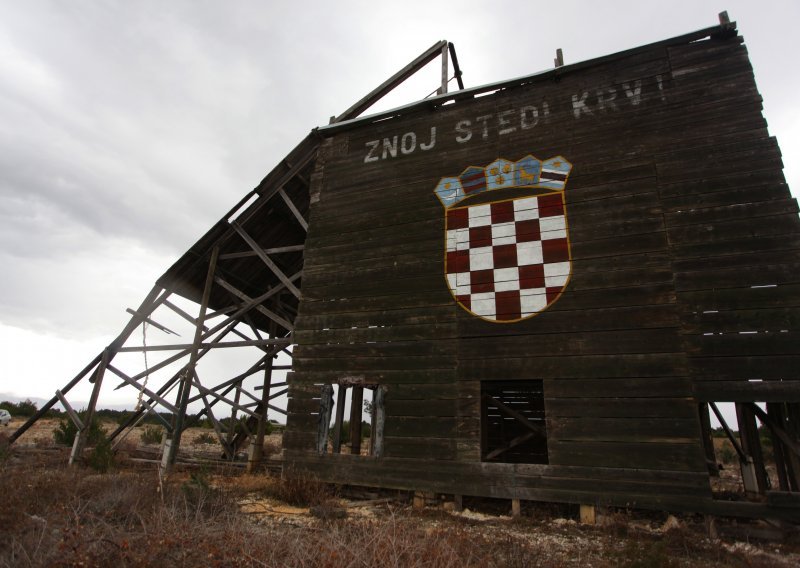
152 434
66 430
101 458
23 409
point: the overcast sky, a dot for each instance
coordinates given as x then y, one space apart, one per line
128 128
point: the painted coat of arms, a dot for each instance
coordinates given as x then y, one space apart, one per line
507 253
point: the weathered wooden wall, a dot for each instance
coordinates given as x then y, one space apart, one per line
676 206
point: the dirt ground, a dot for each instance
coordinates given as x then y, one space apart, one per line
311 525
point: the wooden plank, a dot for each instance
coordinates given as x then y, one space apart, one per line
747 391
745 367
684 457
584 366
635 387
624 407
624 429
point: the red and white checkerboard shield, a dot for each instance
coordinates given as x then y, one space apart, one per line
509 259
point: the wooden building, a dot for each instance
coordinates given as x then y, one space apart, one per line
541 283
541 288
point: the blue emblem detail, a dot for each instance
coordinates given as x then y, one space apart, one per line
449 191
527 171
555 172
499 174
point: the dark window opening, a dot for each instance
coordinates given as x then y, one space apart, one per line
513 427
351 420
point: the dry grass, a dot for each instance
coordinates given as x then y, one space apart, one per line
54 516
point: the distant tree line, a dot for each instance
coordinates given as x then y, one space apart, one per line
28 408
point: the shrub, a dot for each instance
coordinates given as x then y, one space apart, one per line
25 409
205 438
101 458
152 434
302 489
66 430
727 454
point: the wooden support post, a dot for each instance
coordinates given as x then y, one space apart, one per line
754 474
791 423
419 500
458 503
234 414
257 444
588 515
171 452
456 68
711 527
445 71
378 421
774 412
559 60
326 404
356 405
516 508
341 399
708 440
83 434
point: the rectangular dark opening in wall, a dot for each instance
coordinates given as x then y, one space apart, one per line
351 419
513 428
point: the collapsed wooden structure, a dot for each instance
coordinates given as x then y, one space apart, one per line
542 288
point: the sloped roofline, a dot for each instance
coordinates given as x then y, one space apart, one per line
719 31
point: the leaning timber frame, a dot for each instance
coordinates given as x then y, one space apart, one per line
264 299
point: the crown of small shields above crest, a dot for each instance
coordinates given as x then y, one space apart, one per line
502 174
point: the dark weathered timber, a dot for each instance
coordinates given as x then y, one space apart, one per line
684 287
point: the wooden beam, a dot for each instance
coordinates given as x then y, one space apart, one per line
231 403
776 428
70 412
152 322
217 430
267 260
728 432
244 307
82 436
189 373
559 60
183 314
154 412
356 408
227 344
445 72
456 69
293 209
50 403
140 387
270 314
341 400
274 250
387 86
324 418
